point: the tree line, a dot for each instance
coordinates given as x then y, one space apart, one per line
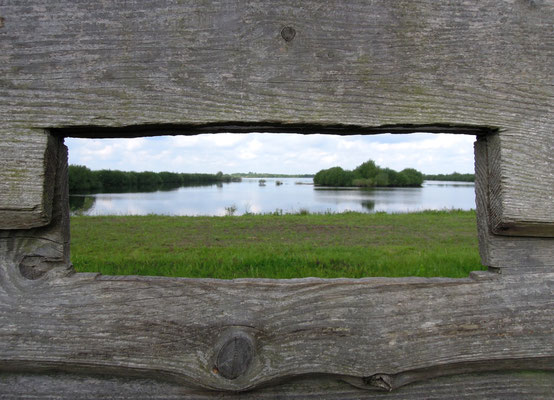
368 174
455 177
85 180
269 175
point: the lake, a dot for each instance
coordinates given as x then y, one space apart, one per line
293 195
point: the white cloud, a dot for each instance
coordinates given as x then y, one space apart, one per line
226 139
279 153
135 144
183 141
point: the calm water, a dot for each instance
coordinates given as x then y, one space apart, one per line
249 196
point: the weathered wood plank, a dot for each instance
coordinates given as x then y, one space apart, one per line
521 177
28 161
504 251
402 330
482 63
41 249
165 65
516 385
187 67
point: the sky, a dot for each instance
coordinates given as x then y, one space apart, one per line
275 153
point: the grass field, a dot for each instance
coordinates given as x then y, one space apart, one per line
355 245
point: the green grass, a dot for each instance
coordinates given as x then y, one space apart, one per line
354 245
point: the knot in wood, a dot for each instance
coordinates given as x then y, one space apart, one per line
33 267
235 356
288 33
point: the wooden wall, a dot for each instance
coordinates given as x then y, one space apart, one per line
111 69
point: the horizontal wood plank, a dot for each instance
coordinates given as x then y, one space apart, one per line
402 330
74 63
528 385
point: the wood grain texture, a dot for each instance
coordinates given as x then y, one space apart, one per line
521 182
234 353
28 161
76 65
107 69
491 386
368 63
499 251
39 250
375 332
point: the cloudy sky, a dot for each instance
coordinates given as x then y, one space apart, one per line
275 153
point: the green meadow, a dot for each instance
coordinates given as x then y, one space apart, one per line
280 246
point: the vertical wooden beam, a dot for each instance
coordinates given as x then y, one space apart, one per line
28 160
501 251
41 249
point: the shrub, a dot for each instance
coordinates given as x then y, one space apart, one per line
368 175
367 170
230 210
335 176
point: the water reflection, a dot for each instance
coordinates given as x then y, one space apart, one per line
81 204
368 205
290 196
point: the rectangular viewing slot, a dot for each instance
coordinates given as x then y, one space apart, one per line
234 206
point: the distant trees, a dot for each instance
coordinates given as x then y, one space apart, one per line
113 180
171 178
455 176
335 176
269 175
84 180
368 174
148 179
365 174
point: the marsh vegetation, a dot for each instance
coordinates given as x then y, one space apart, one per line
277 245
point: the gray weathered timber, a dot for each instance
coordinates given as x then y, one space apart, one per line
27 162
40 250
500 385
76 65
234 354
521 182
368 63
112 69
372 332
497 250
